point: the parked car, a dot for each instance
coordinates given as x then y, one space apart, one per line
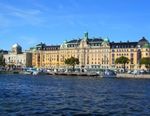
135 72
130 71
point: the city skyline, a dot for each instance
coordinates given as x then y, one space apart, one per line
28 22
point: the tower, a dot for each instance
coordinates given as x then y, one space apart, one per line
16 49
85 35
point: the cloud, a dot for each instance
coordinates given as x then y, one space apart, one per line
14 15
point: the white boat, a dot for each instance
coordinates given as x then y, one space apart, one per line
109 73
35 72
27 73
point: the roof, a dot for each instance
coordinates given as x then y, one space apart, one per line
123 44
77 41
52 47
41 44
143 41
3 51
16 45
95 40
146 45
74 41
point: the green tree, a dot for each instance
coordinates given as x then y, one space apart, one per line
122 60
2 60
72 62
146 62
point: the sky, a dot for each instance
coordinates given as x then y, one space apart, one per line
29 22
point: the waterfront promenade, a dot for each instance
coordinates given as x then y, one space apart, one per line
133 76
119 75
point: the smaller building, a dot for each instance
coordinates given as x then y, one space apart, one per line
17 58
3 51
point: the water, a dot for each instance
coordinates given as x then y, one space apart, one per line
48 96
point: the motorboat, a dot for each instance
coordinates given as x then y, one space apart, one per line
109 73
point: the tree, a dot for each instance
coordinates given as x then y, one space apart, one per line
72 62
122 60
2 60
146 62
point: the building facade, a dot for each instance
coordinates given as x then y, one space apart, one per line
93 53
17 58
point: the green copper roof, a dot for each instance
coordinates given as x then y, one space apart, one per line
65 41
106 40
146 45
85 35
33 48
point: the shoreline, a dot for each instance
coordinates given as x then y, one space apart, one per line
132 76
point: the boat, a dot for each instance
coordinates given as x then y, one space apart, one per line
26 73
109 73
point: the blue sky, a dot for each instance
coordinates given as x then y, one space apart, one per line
29 22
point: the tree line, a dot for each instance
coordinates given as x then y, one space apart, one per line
124 60
121 60
2 61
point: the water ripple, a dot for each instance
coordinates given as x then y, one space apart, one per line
44 95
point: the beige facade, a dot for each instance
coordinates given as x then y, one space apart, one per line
93 53
18 59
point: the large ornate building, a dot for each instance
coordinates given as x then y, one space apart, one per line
92 53
17 58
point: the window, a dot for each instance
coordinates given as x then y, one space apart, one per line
113 61
113 55
131 55
131 60
132 50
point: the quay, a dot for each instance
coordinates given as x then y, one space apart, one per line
133 76
83 74
76 74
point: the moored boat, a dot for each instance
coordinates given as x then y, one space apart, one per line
109 73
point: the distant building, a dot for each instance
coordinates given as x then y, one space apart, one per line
18 58
132 50
93 53
3 51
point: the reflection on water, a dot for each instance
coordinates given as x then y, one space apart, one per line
45 95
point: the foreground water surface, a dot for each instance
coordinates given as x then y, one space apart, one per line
47 95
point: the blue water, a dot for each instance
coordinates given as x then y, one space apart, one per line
48 96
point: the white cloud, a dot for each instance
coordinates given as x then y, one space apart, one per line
14 15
